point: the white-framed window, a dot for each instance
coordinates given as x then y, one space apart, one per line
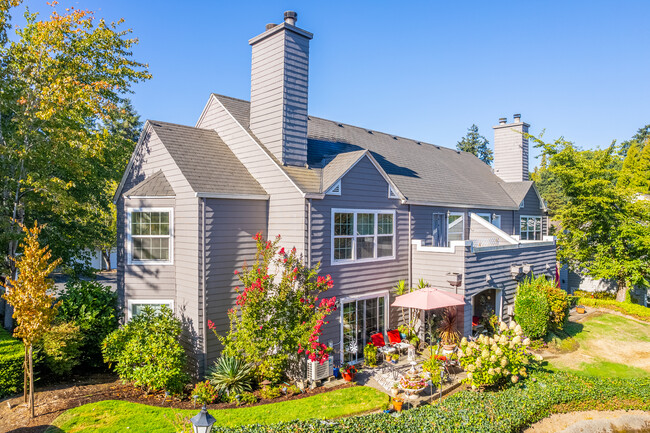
135 306
456 226
150 236
362 235
530 228
492 218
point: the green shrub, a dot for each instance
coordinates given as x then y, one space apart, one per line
205 393
507 411
501 359
231 375
635 310
61 346
532 310
246 398
93 307
558 302
293 390
370 355
271 392
12 355
147 351
595 295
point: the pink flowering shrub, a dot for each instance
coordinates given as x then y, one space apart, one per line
279 312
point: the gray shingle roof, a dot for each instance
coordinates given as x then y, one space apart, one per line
517 190
422 172
336 166
205 160
155 185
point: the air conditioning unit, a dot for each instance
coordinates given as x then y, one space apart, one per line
317 371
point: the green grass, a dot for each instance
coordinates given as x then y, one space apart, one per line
605 340
638 311
112 416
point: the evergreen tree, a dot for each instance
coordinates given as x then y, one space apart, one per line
476 144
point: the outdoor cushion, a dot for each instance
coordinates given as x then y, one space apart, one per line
394 337
378 339
475 320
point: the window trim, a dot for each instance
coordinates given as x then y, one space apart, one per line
372 295
132 301
391 192
129 238
541 228
354 235
463 217
334 189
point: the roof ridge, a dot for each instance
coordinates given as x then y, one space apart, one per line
152 122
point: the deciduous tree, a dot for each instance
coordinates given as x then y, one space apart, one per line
31 296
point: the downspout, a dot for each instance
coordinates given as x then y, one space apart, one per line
410 258
205 320
309 232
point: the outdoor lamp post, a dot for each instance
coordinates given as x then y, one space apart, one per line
203 421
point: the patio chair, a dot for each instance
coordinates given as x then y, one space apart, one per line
395 340
378 341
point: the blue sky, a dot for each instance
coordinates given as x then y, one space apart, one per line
424 70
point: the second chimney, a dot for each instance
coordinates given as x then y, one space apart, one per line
511 149
279 77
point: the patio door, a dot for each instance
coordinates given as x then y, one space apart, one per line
361 318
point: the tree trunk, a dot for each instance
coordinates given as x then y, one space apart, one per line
31 381
107 259
620 292
25 367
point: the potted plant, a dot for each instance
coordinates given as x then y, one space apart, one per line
348 372
448 330
397 403
395 389
394 358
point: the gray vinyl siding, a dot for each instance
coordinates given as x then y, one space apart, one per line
286 205
496 264
279 75
230 226
362 187
511 152
178 281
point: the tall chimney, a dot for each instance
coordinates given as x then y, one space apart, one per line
511 150
279 78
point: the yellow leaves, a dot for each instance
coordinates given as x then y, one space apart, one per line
31 293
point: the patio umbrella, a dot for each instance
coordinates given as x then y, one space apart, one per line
429 298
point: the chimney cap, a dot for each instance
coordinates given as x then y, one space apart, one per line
269 26
517 118
290 17
503 120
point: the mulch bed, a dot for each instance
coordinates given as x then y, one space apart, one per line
51 401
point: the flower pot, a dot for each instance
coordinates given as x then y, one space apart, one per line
394 392
448 347
398 405
348 377
580 310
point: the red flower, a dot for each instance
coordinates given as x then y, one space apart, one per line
211 325
236 272
295 270
281 252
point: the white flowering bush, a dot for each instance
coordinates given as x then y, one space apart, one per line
499 359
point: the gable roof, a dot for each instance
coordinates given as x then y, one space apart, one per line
205 160
517 190
155 185
422 172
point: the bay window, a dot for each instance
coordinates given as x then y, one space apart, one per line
359 235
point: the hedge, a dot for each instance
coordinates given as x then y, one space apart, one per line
12 353
634 310
506 411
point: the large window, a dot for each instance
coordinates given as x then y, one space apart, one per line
362 235
150 236
530 228
360 319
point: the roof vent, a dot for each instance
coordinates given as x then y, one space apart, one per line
290 17
517 118
502 120
394 138
269 26
369 132
340 125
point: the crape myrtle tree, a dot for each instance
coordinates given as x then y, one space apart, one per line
604 219
476 144
63 82
279 312
31 296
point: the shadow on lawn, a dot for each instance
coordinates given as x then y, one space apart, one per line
37 429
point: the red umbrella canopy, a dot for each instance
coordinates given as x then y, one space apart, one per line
429 298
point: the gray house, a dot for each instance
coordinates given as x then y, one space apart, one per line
372 208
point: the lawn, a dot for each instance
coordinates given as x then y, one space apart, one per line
610 346
111 415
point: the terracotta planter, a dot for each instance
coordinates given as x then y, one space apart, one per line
449 347
580 310
348 377
398 405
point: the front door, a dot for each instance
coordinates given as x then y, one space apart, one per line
361 318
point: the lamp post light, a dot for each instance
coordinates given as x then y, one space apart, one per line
203 421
